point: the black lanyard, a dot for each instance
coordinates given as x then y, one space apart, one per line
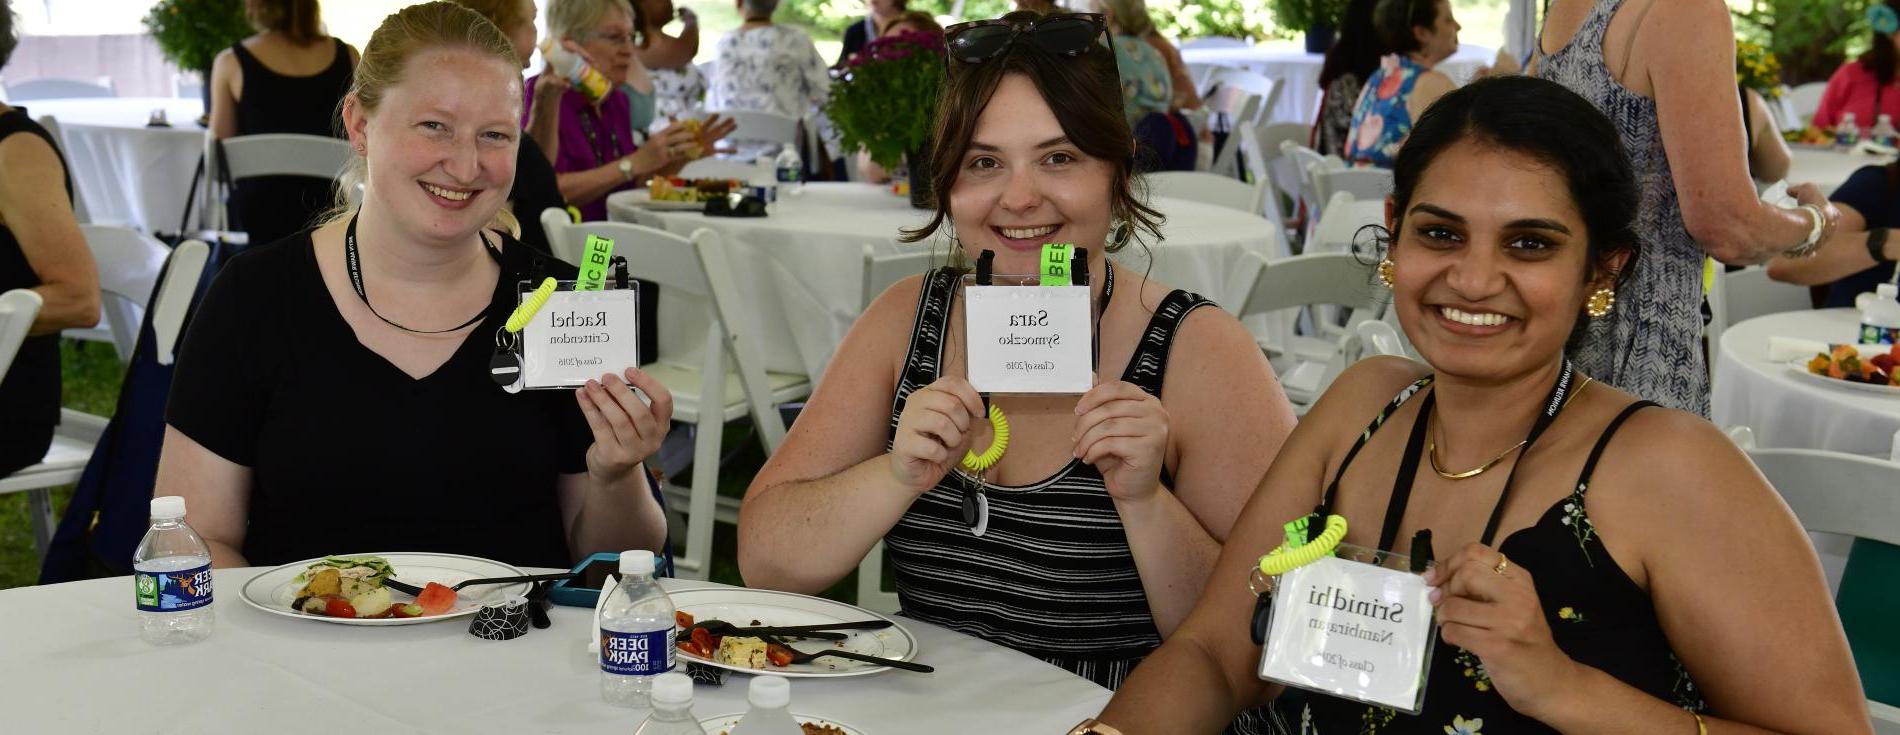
593 141
354 263
1415 446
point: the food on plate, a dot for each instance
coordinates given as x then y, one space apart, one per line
352 587
1844 362
676 189
1810 136
740 650
810 728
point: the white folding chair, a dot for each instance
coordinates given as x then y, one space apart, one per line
1379 338
1805 100
1748 293
175 288
1199 74
720 379
1345 217
80 212
128 263
1261 150
1361 183
1205 187
1838 497
273 154
1258 85
1228 107
73 439
52 89
880 272
1336 279
722 168
1214 42
1305 162
761 127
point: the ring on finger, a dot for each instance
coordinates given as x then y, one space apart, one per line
1503 564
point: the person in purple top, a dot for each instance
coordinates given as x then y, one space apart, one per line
598 152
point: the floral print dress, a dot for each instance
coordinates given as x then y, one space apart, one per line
1597 615
1381 121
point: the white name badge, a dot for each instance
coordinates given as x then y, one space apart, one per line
1352 630
579 336
1029 339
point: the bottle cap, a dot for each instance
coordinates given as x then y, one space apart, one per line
769 692
637 561
169 506
1887 291
672 688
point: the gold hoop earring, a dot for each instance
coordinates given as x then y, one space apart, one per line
1600 303
1385 272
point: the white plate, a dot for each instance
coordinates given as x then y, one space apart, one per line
273 591
643 198
742 606
723 724
1801 367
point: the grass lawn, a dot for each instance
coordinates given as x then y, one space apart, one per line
92 375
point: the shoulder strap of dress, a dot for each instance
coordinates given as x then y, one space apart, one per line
246 59
1332 488
1603 442
1149 365
342 54
931 323
1589 36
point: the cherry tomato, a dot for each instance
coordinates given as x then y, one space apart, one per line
339 608
691 647
778 655
682 619
704 640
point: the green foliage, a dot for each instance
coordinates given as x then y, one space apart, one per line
887 99
1299 15
1811 38
190 33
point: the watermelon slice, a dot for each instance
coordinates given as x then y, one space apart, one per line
436 599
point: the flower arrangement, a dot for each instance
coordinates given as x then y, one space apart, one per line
190 33
1757 69
886 100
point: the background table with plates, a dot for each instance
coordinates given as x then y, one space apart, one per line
1827 168
76 665
802 267
127 173
1792 411
1298 72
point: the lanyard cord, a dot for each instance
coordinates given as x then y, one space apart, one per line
353 261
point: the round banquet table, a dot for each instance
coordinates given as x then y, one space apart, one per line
1791 411
75 664
1298 72
1827 168
801 268
127 173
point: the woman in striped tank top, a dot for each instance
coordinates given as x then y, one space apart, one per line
1106 511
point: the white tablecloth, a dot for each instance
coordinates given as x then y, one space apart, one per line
1298 72
803 265
75 664
1827 168
1788 410
127 173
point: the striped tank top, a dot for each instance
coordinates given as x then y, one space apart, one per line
1053 576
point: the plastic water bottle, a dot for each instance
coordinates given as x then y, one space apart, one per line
636 633
1880 317
791 168
672 708
172 578
592 84
1884 133
1848 132
769 711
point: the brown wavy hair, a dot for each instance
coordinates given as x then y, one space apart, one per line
301 20
1084 92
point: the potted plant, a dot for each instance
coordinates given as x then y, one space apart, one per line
886 103
190 33
1319 18
1757 68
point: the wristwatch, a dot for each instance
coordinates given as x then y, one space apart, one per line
1091 727
626 169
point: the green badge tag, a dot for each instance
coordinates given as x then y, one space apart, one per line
1055 263
1296 532
594 259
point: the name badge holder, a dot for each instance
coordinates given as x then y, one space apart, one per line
565 333
1038 350
1345 620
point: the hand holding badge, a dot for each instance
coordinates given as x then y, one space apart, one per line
1340 619
566 333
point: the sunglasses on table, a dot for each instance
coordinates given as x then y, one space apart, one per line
1069 34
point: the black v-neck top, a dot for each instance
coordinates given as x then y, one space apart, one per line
349 453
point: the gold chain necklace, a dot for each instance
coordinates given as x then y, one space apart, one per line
1431 445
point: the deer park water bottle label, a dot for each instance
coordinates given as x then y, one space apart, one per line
1029 339
636 654
179 591
578 336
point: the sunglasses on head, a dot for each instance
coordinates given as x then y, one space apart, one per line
1069 34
